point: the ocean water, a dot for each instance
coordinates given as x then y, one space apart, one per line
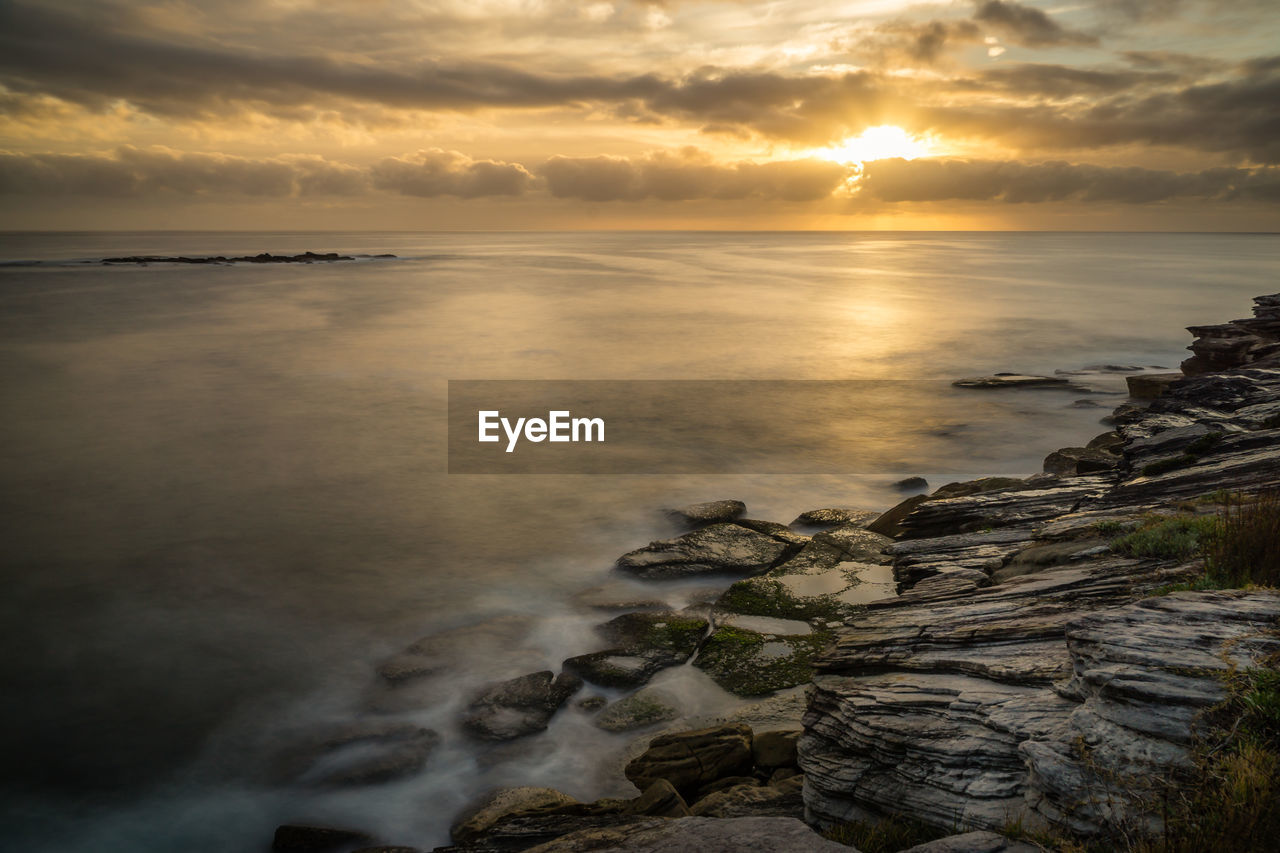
226 499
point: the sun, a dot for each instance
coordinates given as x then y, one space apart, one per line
876 143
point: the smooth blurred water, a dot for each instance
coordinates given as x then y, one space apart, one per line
224 489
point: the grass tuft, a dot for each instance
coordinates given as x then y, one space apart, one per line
1247 549
889 835
1169 539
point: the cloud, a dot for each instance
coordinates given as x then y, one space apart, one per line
690 175
1027 25
436 172
916 42
1014 182
1235 116
1064 81
131 171
56 53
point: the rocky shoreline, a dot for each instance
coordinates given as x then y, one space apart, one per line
984 656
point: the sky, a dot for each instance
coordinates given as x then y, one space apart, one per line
710 114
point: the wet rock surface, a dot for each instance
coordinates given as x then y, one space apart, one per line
717 549
640 709
710 512
1016 380
520 706
641 644
833 516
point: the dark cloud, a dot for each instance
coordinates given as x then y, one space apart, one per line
1184 63
1236 117
679 176
135 171
1014 182
669 177
1064 81
916 42
436 172
1027 25
912 42
85 61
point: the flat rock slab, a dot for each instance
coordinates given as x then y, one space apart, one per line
702 834
975 842
716 549
1004 508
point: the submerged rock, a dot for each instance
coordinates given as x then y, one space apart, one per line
1015 380
718 548
642 644
361 753
748 663
442 652
520 706
640 709
618 597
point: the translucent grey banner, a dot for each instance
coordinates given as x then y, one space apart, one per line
752 426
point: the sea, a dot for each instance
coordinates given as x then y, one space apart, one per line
227 494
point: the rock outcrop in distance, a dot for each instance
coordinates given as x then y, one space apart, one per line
1029 673
262 258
